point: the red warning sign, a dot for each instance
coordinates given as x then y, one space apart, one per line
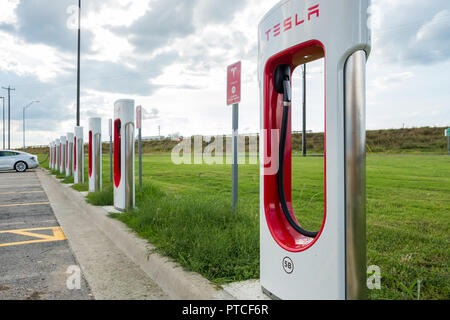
234 83
138 117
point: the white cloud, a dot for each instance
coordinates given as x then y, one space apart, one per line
41 61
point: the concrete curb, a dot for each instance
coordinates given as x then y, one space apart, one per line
176 282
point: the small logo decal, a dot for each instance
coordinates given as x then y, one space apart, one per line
288 265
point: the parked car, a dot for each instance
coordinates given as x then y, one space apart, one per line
17 160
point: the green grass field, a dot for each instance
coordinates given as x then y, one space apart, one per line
185 211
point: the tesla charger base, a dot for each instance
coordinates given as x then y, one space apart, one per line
124 186
328 263
78 159
69 154
95 154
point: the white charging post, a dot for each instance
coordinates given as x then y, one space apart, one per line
124 171
330 263
62 160
69 154
58 154
50 154
55 151
56 157
78 159
95 154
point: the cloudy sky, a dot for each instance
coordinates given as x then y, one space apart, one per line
171 57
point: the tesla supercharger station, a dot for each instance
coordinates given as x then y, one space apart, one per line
69 154
95 154
54 155
329 263
58 153
50 154
52 162
78 158
124 185
62 157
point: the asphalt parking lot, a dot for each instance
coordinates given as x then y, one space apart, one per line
36 261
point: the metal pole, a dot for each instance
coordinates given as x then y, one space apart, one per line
110 159
9 118
234 174
304 113
23 120
9 114
78 63
448 145
355 175
140 156
23 123
3 99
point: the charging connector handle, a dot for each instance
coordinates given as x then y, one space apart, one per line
286 91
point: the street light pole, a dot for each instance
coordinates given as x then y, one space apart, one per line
304 113
3 98
23 120
78 63
9 114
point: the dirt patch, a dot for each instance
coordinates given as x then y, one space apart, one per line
4 288
36 295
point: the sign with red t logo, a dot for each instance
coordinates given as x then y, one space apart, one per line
234 83
138 117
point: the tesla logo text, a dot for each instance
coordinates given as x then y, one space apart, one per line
291 22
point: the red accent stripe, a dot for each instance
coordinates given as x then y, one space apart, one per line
117 164
75 154
90 153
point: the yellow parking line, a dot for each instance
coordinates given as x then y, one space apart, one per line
21 192
58 235
23 204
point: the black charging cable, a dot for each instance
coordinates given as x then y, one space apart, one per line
283 85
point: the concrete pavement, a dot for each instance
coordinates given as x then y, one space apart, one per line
110 273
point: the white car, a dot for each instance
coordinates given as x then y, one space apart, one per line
17 160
